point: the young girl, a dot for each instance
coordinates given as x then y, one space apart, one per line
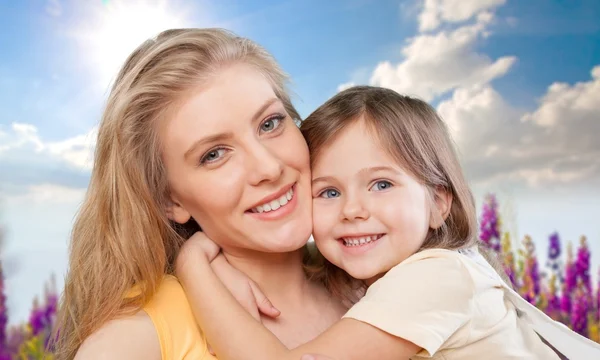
391 208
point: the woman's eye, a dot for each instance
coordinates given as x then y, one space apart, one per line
271 124
213 156
381 185
329 193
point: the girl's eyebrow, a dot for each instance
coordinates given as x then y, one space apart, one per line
362 172
322 179
380 168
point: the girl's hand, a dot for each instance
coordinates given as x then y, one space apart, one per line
200 248
197 244
243 289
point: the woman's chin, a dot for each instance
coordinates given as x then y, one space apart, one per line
287 245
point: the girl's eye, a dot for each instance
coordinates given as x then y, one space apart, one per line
271 123
381 185
329 193
212 156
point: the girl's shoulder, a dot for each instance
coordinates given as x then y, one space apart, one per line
427 299
429 261
434 262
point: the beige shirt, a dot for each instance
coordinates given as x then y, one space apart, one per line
445 303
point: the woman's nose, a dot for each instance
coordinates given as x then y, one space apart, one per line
264 165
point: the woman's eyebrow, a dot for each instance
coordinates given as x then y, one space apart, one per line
264 107
228 135
207 140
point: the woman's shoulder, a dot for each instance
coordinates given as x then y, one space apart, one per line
130 337
164 329
169 295
178 334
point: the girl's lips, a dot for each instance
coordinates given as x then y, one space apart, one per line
360 248
362 239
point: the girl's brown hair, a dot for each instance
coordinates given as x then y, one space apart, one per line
122 237
415 135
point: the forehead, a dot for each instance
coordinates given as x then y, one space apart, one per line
230 97
354 148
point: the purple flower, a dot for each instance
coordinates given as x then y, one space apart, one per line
597 317
531 273
554 252
490 224
579 314
582 265
554 248
553 306
570 282
3 312
42 316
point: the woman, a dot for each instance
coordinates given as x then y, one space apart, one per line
198 130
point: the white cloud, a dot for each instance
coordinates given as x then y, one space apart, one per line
435 12
23 135
434 64
570 106
554 145
500 145
24 138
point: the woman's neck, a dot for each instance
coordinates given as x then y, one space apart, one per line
307 309
280 276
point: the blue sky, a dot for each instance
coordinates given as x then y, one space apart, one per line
512 78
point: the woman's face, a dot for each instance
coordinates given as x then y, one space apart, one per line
237 164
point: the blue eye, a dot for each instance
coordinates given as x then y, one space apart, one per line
381 185
271 123
329 193
212 156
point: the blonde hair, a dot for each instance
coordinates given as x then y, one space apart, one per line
122 238
414 134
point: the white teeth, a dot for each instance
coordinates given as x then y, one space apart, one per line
275 204
357 241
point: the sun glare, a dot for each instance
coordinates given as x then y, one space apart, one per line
119 27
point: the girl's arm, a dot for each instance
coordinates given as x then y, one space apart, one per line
234 334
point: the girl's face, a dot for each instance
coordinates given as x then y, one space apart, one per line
237 163
369 214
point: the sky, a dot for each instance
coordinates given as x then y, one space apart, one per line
517 82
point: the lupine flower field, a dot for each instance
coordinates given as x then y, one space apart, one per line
562 287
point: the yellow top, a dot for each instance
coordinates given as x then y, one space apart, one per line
179 336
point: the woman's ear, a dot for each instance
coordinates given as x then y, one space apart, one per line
441 205
176 212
